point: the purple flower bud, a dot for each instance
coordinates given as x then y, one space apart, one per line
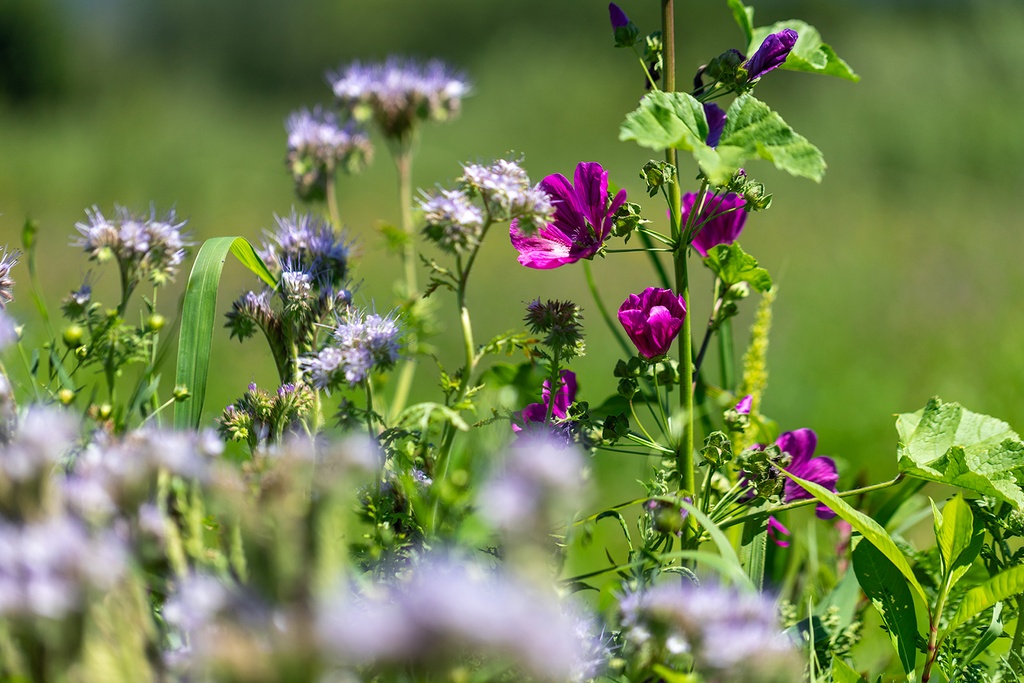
772 53
618 17
745 404
716 123
652 320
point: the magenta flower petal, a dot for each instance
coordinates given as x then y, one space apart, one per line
652 320
778 532
800 445
745 404
771 54
564 396
723 219
581 223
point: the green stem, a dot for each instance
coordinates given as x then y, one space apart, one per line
403 162
933 632
369 409
725 359
603 310
332 202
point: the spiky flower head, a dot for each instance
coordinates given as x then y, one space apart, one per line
399 93
362 343
251 312
561 323
306 242
319 145
7 261
143 247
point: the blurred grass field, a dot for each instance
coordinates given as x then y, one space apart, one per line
899 275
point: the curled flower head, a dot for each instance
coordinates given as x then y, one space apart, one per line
399 93
143 247
583 220
363 343
652 320
721 221
771 54
454 222
251 312
318 146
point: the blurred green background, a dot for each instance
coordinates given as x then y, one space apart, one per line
899 275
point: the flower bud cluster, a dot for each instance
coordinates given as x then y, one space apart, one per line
561 323
260 417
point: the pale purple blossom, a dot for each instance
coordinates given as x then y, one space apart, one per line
306 242
453 221
8 261
362 343
319 145
152 246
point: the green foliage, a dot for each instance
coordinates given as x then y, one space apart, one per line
810 53
946 443
733 265
980 598
890 595
197 319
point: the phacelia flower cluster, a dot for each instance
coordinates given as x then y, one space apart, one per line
307 243
362 343
319 146
143 247
583 219
7 261
485 194
399 93
261 417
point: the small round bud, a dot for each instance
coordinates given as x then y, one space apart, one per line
66 396
73 335
181 392
104 411
81 352
155 322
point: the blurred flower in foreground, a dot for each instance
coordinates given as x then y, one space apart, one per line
771 54
445 612
720 221
731 636
319 146
652 320
582 221
143 247
399 93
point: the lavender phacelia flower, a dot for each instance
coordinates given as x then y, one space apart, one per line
731 636
652 320
454 222
319 145
308 243
582 220
399 93
362 343
143 247
8 261
507 194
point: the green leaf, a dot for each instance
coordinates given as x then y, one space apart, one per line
946 443
732 265
421 414
725 548
752 130
954 532
843 672
891 596
744 18
197 319
980 598
871 530
810 54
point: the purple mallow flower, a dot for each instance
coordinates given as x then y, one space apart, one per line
771 54
652 320
720 222
564 396
800 444
582 220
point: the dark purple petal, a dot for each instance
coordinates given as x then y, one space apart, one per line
723 219
568 210
821 470
617 16
716 123
592 191
565 395
535 412
800 445
772 53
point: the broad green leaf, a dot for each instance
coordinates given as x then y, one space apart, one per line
843 672
744 17
732 265
890 595
197 320
810 53
980 598
946 443
753 130
755 549
871 530
955 531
